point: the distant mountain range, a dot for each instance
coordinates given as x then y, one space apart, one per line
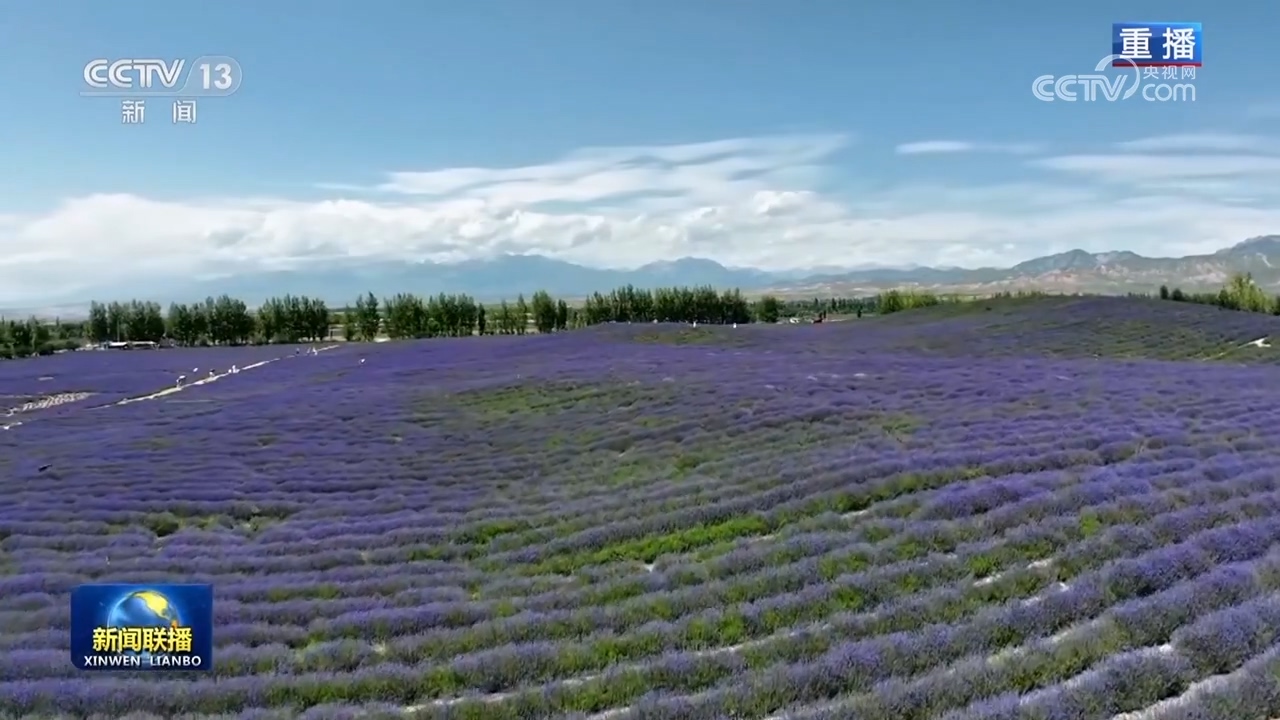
1106 273
1072 271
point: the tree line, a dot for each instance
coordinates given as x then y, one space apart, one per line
289 319
295 319
1240 292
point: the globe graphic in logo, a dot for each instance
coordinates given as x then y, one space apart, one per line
144 608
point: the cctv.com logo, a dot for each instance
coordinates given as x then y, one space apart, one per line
1097 86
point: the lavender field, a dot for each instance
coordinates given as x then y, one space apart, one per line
999 515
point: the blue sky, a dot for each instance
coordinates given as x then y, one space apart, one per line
613 133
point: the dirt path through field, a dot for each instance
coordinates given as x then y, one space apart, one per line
63 398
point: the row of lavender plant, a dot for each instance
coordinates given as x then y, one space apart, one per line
662 536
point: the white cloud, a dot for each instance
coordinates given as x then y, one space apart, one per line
762 202
1141 167
1213 142
937 147
595 174
1232 168
929 147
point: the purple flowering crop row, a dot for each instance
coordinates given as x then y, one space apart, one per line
576 526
